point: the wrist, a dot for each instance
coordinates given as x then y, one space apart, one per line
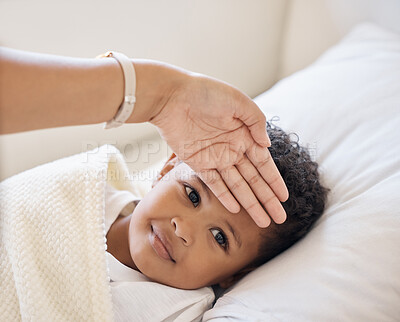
155 84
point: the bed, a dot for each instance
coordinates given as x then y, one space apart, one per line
339 89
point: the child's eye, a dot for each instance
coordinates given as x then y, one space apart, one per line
193 195
220 237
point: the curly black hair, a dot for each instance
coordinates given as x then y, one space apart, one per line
307 196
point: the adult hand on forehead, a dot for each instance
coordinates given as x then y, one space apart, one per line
217 130
221 134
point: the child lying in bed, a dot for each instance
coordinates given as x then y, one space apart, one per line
180 235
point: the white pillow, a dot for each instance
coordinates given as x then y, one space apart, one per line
346 109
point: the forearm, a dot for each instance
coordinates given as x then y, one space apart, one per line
41 91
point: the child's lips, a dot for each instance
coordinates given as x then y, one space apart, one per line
160 244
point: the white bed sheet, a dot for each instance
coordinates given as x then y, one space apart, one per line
346 109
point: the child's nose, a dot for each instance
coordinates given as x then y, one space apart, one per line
184 230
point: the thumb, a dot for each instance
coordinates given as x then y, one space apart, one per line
251 115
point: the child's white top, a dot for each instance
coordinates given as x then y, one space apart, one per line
120 202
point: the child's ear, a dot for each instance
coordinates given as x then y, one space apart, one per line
171 163
228 282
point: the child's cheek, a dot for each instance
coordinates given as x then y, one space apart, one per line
163 200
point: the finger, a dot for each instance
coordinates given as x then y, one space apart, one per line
262 191
265 165
240 189
214 181
251 115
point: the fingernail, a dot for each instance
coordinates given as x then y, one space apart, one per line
263 222
268 140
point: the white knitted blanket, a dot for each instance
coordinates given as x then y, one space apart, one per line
52 252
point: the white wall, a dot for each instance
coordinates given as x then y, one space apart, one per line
248 43
312 26
233 40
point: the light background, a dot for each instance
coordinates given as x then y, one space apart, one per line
250 44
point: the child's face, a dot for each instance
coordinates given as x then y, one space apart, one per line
195 225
